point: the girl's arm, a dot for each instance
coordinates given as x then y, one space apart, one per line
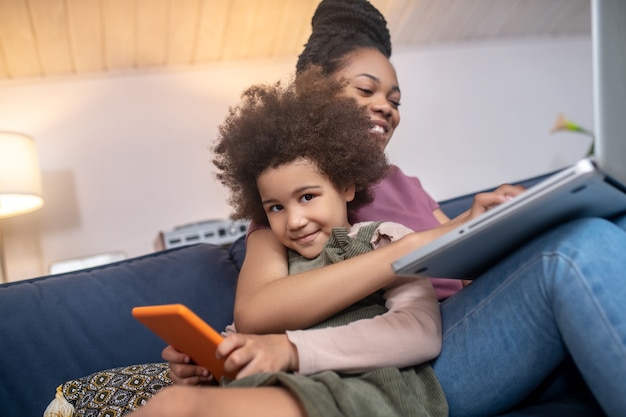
408 334
269 300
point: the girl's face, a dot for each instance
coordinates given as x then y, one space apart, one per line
374 84
302 206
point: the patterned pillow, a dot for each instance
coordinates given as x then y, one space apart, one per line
111 393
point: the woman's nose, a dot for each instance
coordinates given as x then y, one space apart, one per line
381 105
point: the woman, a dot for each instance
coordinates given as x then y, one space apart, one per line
508 330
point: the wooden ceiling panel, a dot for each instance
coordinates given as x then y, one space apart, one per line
294 27
264 29
42 38
211 30
18 40
50 29
152 32
86 35
183 26
239 29
119 32
4 73
398 14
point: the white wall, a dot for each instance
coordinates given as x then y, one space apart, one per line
126 156
476 116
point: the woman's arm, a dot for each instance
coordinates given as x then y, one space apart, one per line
271 301
441 216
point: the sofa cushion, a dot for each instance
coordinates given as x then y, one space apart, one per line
113 392
63 327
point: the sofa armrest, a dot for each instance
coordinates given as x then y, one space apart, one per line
62 327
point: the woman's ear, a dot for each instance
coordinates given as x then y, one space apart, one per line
349 193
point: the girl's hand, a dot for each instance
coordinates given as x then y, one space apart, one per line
250 354
183 371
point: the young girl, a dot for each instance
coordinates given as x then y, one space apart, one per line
296 158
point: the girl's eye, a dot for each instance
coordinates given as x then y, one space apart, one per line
275 208
307 197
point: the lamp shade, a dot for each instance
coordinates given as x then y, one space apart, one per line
20 178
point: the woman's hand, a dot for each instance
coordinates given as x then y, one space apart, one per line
246 354
488 200
183 371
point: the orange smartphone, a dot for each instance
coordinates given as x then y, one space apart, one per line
186 332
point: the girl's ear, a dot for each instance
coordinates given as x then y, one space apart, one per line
349 193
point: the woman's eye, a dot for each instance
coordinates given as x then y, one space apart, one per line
307 197
364 90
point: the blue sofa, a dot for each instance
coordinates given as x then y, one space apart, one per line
62 327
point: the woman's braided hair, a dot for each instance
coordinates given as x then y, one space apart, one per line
280 123
340 27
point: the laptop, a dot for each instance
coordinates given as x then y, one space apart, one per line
591 187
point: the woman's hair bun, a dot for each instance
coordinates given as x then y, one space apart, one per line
340 27
358 16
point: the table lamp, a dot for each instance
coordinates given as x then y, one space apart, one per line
20 180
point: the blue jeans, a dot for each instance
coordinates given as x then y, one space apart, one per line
561 294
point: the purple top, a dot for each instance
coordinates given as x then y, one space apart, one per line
402 199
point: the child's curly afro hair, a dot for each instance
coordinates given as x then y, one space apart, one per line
307 118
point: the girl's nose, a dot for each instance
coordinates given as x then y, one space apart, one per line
296 219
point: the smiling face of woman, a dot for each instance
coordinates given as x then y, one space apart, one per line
373 82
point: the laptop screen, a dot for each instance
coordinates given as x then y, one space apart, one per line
609 78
